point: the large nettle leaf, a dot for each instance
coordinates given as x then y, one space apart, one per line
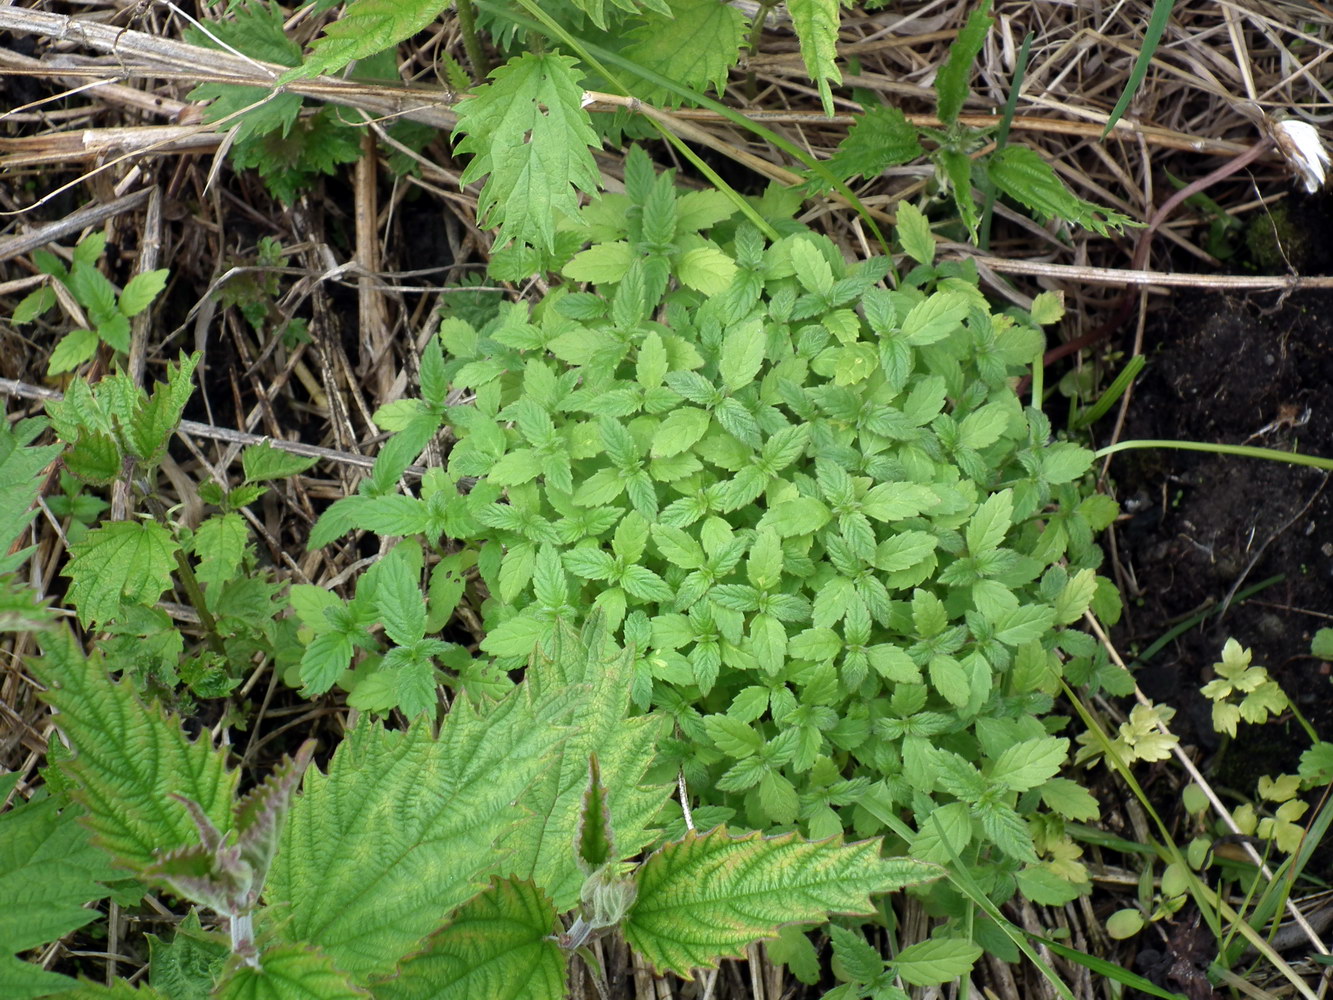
403 827
710 895
132 765
543 846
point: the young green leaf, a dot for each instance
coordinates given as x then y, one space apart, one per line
695 45
1024 176
129 759
939 960
122 561
286 971
951 83
543 849
710 895
817 24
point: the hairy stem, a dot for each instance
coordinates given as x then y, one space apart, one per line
476 57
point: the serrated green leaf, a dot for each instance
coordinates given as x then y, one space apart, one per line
1023 175
129 759
605 263
1070 799
879 138
680 431
118 562
710 895
72 350
542 848
366 28
797 516
263 461
990 522
914 233
951 83
48 871
402 827
706 269
140 291
695 47
220 542
289 970
817 23
497 945
20 467
530 136
934 318
1029 763
939 960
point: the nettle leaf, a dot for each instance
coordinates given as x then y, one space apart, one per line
816 23
1023 175
498 944
366 28
263 461
402 828
881 137
951 83
129 760
286 971
117 562
48 872
530 137
695 45
20 468
710 895
543 847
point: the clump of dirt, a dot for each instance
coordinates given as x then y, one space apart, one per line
1206 529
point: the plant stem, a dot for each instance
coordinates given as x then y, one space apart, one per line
467 22
190 583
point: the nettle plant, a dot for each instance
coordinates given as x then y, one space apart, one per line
844 554
530 134
419 862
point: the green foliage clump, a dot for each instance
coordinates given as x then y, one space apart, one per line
418 863
845 555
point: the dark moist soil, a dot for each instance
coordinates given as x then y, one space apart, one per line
1237 369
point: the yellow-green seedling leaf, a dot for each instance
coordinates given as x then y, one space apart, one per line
951 82
530 136
695 45
710 895
403 827
1048 307
816 23
49 870
1322 644
1124 924
290 972
263 461
543 848
498 945
119 562
130 759
939 960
